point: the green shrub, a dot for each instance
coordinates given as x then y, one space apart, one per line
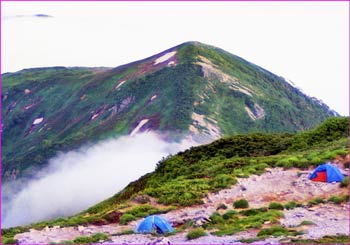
344 183
276 205
275 231
99 237
290 205
316 160
253 211
95 238
183 192
233 222
242 203
142 211
336 200
222 181
254 225
229 214
288 162
261 166
346 198
299 205
221 206
240 173
195 233
341 239
253 161
248 240
9 241
126 218
315 201
330 155
216 218
303 163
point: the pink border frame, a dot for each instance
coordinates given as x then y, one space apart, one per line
144 1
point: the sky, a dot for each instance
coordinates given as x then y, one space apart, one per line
305 42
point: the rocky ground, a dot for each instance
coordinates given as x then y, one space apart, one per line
274 185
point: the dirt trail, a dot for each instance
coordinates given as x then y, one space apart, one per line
274 185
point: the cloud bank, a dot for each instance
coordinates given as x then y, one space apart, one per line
76 180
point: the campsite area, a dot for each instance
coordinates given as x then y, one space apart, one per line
317 211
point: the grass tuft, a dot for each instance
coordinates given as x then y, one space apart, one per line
195 233
242 203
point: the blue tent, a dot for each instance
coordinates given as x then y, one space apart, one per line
326 173
154 223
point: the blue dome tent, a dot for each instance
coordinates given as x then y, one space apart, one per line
154 223
326 173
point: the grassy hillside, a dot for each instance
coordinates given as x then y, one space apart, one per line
200 91
184 179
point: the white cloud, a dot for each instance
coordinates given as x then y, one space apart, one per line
306 42
79 179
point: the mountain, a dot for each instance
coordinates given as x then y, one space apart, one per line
206 187
191 89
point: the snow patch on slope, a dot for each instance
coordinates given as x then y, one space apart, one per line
38 120
153 97
139 126
120 84
165 57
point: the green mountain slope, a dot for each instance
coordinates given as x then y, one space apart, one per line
185 179
192 89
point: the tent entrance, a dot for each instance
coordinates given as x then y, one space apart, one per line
321 176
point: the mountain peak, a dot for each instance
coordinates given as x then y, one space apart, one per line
192 89
191 43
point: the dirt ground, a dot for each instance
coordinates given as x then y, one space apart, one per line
274 185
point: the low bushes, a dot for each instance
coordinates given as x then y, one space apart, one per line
242 203
253 211
222 181
9 241
221 206
216 218
138 212
315 201
229 214
336 199
126 218
275 231
232 222
95 238
342 239
290 205
276 205
183 192
195 233
345 183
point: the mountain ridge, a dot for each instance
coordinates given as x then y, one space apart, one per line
190 89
